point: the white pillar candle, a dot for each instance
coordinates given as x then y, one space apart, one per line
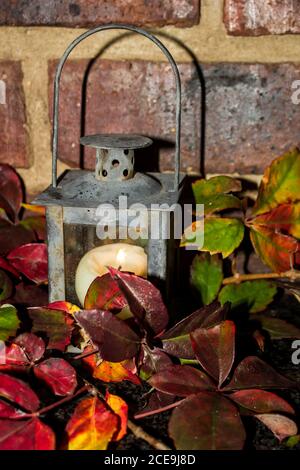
117 255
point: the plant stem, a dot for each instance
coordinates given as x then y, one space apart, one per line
61 402
158 410
85 354
141 434
237 278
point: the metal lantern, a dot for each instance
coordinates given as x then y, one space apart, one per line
75 249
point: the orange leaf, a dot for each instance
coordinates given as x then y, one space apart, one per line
65 306
111 371
284 218
33 208
276 250
92 426
120 407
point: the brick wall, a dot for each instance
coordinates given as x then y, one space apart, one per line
238 60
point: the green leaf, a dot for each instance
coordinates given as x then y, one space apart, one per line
207 276
255 295
6 286
280 183
9 321
276 327
221 202
205 189
222 235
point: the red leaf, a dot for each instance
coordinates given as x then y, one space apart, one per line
32 345
13 357
55 324
281 426
8 411
30 295
11 193
181 381
261 401
37 225
8 267
92 426
12 236
119 407
153 361
104 294
144 299
283 218
19 392
58 374
215 349
206 421
252 372
115 340
31 260
157 401
64 306
29 434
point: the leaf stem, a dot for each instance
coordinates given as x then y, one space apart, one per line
237 278
158 410
85 354
141 434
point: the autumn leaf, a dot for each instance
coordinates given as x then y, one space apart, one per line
11 193
56 325
254 295
34 208
67 307
281 426
6 286
9 411
206 421
284 218
12 236
31 260
105 294
261 401
221 235
206 189
110 371
19 392
215 349
276 250
280 183
4 264
92 426
9 321
120 407
207 276
32 346
276 327
27 434
58 374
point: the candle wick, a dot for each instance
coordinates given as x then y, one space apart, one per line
119 268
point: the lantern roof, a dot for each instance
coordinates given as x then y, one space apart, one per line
113 141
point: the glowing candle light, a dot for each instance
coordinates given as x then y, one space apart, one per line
118 255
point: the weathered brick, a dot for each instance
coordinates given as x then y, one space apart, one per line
257 17
250 117
13 134
84 13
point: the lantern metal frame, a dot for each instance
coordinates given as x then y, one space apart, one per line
74 198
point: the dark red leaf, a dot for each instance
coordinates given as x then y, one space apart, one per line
30 295
8 267
32 345
153 361
6 286
19 392
29 434
206 421
104 294
58 374
37 225
13 357
252 372
144 299
13 236
181 381
56 325
157 401
115 340
261 401
11 193
215 349
8 411
31 260
177 342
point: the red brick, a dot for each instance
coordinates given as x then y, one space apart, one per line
13 135
257 17
250 118
85 13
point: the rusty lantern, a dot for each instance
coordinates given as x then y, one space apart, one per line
75 203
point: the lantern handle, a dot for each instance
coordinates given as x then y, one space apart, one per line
57 83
